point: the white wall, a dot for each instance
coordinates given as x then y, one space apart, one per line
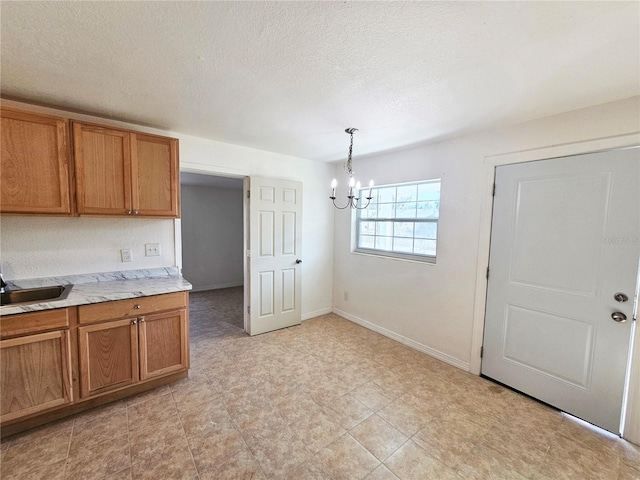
212 236
432 306
196 155
34 247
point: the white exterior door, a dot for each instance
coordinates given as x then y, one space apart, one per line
564 242
275 211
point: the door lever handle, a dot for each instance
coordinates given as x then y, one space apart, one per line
619 317
298 260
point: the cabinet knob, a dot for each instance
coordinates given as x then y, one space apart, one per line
135 212
137 307
134 322
128 212
141 320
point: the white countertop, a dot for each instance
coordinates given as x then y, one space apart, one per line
101 287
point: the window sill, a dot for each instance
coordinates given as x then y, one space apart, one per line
396 256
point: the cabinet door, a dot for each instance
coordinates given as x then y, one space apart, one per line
103 170
164 344
35 374
108 356
35 164
154 162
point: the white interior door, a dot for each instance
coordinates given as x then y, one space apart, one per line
564 242
275 211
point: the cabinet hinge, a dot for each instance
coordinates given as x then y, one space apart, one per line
481 351
487 273
493 191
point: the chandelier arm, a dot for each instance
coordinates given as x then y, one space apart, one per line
333 199
364 206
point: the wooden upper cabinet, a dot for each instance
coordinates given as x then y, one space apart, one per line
35 173
155 172
103 170
119 172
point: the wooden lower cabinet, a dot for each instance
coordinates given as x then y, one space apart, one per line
108 356
58 362
36 374
164 344
118 353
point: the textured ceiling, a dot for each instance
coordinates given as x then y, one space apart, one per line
288 77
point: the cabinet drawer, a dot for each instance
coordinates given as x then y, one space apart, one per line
131 307
27 323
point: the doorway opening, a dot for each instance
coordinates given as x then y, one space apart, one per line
212 239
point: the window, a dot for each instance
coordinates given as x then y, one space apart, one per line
401 221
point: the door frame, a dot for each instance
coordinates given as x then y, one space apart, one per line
177 226
631 411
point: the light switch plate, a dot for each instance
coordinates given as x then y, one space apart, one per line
152 250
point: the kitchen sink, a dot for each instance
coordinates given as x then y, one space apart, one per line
35 295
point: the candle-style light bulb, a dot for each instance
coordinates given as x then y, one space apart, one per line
370 187
352 182
334 184
357 185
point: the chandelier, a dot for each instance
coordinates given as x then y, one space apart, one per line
352 199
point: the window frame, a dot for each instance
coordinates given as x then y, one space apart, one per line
415 257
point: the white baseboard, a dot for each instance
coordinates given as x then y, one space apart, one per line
405 341
317 313
217 286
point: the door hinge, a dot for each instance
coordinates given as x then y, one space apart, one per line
248 253
248 193
481 351
249 310
487 273
493 191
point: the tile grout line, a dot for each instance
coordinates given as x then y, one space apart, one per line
66 460
244 440
184 434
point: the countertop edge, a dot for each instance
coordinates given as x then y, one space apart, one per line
106 291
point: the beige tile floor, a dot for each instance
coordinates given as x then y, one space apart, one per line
325 400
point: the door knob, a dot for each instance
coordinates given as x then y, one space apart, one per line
620 297
619 317
298 260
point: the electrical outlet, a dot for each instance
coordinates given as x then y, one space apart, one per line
126 255
346 296
152 250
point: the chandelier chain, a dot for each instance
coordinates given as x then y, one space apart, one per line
353 197
349 164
